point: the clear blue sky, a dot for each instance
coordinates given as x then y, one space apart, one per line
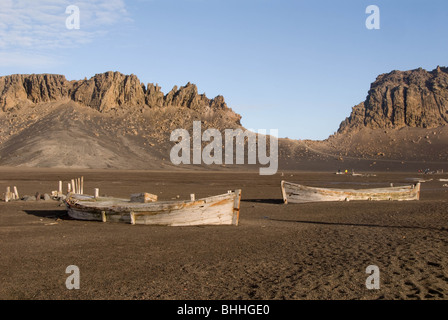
296 66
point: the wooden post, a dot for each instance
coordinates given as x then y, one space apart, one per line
60 187
69 187
97 193
282 184
132 217
73 186
8 191
192 197
103 216
16 193
81 190
236 207
418 190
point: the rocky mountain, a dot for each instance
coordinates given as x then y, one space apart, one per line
108 121
103 92
401 124
416 99
113 120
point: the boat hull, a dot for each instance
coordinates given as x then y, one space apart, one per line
217 210
296 193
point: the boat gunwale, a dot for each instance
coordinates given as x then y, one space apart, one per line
395 189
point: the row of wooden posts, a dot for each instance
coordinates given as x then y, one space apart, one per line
11 195
75 186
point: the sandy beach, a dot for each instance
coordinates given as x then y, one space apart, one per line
295 251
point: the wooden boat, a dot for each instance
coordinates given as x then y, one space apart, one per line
296 193
216 210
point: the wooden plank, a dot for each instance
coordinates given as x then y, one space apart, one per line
143 197
194 215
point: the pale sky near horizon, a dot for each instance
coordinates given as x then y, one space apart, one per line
296 66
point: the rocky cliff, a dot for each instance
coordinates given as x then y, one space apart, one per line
111 120
104 92
20 90
416 99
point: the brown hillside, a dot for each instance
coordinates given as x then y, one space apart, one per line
114 121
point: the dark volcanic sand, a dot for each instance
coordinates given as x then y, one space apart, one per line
295 251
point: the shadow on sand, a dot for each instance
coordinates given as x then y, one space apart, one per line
270 201
49 214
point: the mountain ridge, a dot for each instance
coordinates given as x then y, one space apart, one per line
103 92
112 120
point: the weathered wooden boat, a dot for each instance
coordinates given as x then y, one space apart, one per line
216 210
296 193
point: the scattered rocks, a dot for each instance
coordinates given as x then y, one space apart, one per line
28 198
45 197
